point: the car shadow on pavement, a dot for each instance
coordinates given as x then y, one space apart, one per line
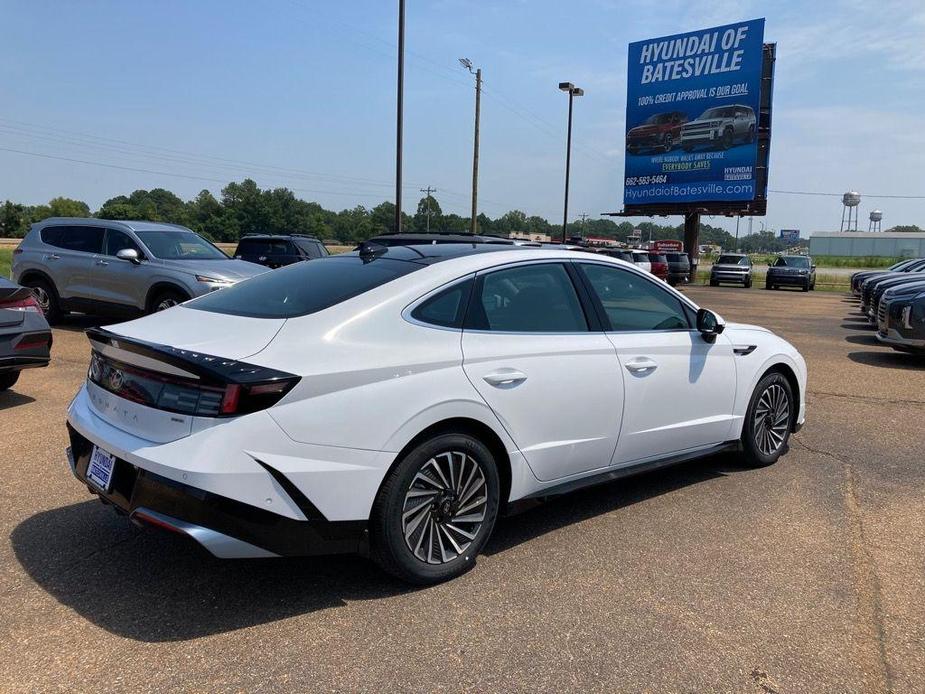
865 339
575 507
890 360
10 398
78 322
155 587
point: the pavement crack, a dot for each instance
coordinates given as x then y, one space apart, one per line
869 592
866 398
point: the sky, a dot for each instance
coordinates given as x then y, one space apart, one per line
102 98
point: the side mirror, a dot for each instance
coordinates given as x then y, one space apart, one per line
812 267
129 254
709 324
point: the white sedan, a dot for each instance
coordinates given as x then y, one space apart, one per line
393 401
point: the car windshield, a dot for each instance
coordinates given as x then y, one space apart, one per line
792 261
719 112
732 260
179 245
303 288
658 119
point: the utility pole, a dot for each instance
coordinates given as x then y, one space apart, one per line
584 216
398 128
737 233
427 191
473 223
573 91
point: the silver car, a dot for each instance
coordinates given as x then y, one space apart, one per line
120 267
732 268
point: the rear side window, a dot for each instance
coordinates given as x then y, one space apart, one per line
303 288
83 239
446 309
313 249
265 247
632 302
657 258
527 299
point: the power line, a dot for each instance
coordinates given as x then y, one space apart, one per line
838 195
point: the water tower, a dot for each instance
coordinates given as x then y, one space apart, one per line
849 212
875 217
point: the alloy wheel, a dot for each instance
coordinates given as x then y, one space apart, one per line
41 298
444 507
165 303
771 419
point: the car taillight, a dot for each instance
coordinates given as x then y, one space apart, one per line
27 304
242 389
34 341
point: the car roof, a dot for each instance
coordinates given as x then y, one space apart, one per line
436 238
131 225
430 253
281 237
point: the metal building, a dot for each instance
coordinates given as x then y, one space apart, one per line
866 243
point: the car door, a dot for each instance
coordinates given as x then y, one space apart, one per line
119 281
542 365
72 260
679 388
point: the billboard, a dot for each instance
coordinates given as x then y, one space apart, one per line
692 113
790 236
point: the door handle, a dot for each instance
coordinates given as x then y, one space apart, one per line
641 365
102 262
53 256
505 377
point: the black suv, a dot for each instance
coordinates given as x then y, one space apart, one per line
791 271
679 268
277 250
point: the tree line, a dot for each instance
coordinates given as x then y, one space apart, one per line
245 208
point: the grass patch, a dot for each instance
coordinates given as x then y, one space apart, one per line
866 261
825 283
6 259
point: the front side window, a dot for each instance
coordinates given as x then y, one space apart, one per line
632 302
117 241
527 299
179 245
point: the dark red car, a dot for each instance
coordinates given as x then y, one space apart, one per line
659 131
659 263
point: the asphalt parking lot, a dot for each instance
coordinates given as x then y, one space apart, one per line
805 576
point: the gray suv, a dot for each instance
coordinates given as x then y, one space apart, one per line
120 267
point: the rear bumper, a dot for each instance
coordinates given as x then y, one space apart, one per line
228 528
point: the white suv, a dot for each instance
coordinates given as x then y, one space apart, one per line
395 400
721 126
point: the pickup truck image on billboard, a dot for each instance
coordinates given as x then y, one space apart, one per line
692 116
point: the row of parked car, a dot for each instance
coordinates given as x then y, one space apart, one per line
786 271
894 300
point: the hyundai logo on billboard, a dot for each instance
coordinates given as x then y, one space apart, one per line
692 116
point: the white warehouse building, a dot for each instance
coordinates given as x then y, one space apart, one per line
867 243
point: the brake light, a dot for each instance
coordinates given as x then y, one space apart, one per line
34 341
28 304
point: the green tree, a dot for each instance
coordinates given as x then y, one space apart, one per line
14 221
905 228
428 215
66 207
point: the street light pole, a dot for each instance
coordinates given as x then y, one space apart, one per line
473 223
737 233
573 91
398 128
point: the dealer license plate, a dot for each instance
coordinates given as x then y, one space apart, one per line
100 467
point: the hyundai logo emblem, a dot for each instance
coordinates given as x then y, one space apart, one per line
116 379
96 368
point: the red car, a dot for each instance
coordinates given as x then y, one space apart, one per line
660 131
659 263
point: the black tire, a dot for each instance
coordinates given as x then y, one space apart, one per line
752 432
768 285
748 283
388 546
8 380
166 299
727 140
714 283
667 142
806 286
812 286
47 297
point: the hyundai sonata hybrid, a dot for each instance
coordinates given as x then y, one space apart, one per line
394 401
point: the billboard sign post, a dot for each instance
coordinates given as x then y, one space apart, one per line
693 116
